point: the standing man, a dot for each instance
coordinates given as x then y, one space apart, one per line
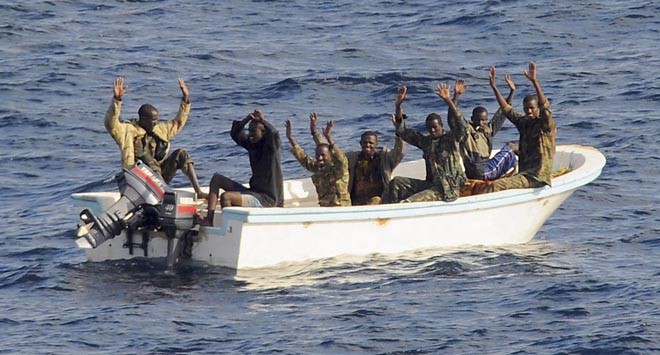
445 174
148 139
537 137
262 141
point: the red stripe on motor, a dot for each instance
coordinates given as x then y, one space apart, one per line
150 182
187 209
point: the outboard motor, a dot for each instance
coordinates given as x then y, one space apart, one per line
146 202
177 218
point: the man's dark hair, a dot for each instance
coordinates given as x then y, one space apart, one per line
146 109
434 117
323 145
478 110
369 133
530 97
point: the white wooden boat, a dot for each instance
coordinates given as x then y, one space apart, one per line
260 237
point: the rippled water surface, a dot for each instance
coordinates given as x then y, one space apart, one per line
588 283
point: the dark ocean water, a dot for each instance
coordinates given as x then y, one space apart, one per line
587 284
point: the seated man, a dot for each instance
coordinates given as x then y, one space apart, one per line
445 174
537 137
266 185
148 139
477 144
330 168
370 169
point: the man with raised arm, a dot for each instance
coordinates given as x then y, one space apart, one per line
370 169
262 141
445 175
537 137
477 143
329 169
148 139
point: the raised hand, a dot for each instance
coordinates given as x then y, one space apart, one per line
118 88
394 120
401 95
512 88
312 122
442 91
509 82
531 73
498 96
327 131
185 93
287 124
491 78
459 89
257 115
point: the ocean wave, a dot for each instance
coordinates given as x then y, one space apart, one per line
281 89
19 277
21 121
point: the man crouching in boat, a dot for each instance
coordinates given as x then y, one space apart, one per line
148 139
370 168
537 138
445 174
330 168
266 184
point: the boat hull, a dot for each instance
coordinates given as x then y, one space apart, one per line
260 237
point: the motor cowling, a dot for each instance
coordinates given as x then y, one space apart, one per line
177 210
146 202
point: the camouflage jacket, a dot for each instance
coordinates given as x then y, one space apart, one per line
331 181
537 143
444 166
130 137
477 144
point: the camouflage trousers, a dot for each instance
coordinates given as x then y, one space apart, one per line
178 160
518 181
403 189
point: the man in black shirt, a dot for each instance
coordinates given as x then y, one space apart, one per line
263 145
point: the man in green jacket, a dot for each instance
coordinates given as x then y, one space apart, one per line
537 137
329 168
148 139
445 175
